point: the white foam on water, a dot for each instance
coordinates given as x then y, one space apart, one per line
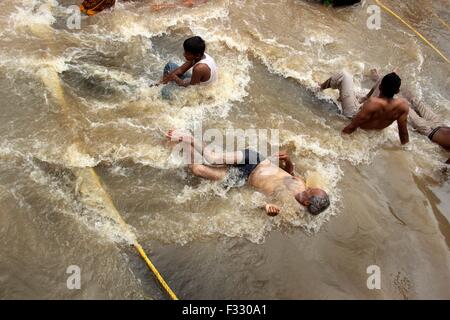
61 190
236 213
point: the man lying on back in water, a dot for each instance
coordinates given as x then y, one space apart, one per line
422 118
377 113
260 173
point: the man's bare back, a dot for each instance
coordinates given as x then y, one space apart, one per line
377 113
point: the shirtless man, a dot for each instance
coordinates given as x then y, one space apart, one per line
204 69
422 118
258 172
377 113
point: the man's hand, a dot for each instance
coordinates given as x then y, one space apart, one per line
282 156
169 77
348 130
286 164
272 210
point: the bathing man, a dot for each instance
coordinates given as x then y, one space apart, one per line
377 112
258 172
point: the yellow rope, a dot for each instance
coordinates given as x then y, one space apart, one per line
90 177
412 28
155 271
119 219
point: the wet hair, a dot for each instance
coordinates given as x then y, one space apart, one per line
390 85
318 204
194 45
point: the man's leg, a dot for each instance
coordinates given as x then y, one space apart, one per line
420 124
198 154
207 172
169 67
166 91
423 110
201 170
343 81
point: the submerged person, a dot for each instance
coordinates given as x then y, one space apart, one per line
377 112
204 68
185 3
340 3
92 7
258 172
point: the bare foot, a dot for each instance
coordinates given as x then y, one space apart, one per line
272 210
374 75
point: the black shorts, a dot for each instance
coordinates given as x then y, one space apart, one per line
435 130
251 160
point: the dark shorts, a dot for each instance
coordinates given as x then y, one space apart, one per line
431 135
251 160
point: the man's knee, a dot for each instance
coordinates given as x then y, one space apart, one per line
169 67
339 78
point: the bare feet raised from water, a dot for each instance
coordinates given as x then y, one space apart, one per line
272 210
375 74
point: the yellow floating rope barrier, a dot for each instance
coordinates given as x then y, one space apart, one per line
91 181
413 29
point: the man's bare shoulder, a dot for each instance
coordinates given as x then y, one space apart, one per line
201 67
373 103
402 104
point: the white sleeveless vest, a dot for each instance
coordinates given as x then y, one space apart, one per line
212 66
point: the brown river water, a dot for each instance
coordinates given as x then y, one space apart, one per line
78 99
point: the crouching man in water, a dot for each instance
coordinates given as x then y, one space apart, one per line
204 69
422 118
377 113
258 172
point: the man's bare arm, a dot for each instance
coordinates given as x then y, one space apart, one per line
200 72
402 123
285 162
177 72
362 117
